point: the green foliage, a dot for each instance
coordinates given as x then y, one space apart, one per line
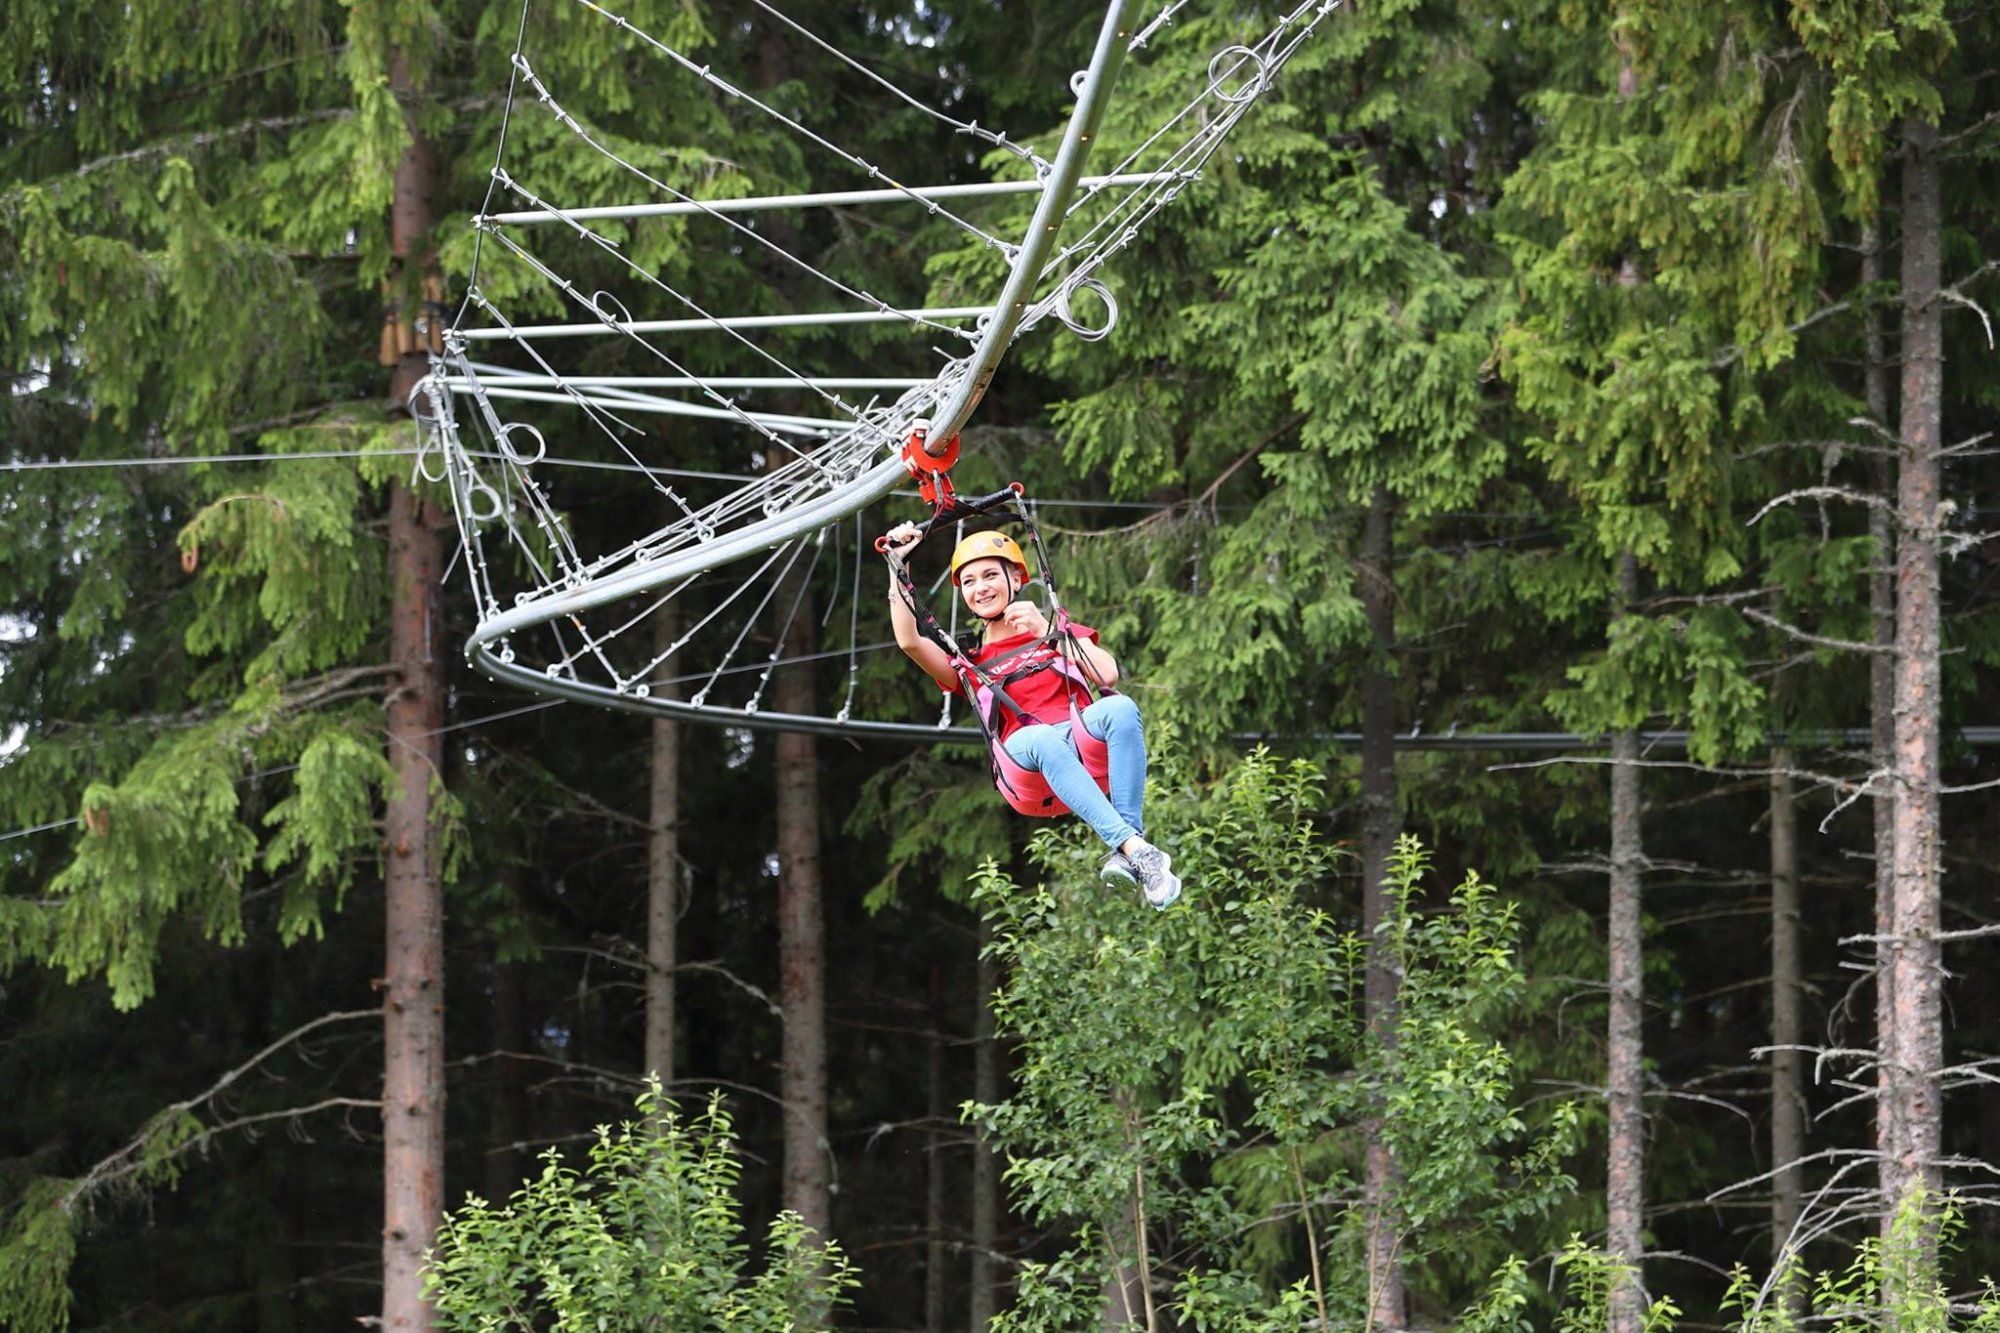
1892 1282
1882 62
36 1251
933 811
644 1236
1589 1278
1202 1078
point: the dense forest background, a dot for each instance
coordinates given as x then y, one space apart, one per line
1556 432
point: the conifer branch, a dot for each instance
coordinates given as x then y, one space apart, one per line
204 139
318 691
1731 354
1206 497
1976 127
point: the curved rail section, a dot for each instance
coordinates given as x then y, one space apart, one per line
948 401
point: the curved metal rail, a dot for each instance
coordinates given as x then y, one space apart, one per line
956 391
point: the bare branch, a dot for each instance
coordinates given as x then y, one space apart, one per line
1976 127
1817 446
1817 640
1957 298
133 1156
1821 493
1808 775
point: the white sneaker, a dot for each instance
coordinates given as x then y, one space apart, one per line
1157 879
1118 869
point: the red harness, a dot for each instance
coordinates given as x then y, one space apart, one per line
1026 790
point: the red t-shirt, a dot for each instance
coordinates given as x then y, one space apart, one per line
1044 695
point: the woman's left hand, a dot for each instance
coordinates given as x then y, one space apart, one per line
1024 617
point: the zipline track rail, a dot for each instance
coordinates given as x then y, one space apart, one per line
556 615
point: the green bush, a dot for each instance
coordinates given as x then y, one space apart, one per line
645 1236
1195 1087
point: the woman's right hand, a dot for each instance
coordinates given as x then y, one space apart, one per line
900 539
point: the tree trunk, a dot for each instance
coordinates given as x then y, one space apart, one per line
1915 1110
936 1106
1788 1109
801 930
1882 685
801 934
507 1127
663 865
1624 1192
1379 826
986 1090
413 971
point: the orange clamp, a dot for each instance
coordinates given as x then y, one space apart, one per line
931 473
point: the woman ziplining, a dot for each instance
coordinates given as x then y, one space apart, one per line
1040 684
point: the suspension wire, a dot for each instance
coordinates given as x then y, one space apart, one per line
729 404
791 618
853 625
1163 19
973 128
702 624
199 460
706 75
797 549
575 127
499 155
1185 161
545 515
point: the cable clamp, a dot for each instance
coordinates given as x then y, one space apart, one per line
930 471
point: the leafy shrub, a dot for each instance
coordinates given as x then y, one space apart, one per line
644 1236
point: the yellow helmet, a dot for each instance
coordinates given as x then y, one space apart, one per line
988 546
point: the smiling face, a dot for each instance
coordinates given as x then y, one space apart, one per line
987 586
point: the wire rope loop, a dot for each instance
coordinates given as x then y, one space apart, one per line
503 438
474 491
1251 87
422 404
431 453
600 299
1076 82
1088 333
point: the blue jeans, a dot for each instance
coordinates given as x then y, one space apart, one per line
1047 749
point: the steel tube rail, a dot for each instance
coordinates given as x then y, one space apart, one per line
532 381
613 400
825 199
1026 274
533 331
